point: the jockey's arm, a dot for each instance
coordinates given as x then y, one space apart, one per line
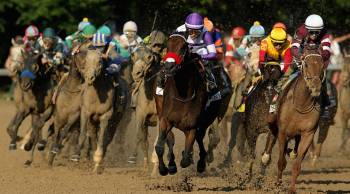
325 48
210 46
262 54
287 60
299 36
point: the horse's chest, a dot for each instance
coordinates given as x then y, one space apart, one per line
95 101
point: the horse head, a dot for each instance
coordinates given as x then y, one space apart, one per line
313 71
89 64
271 72
16 55
32 70
143 60
177 52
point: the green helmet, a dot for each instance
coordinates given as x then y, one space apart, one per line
89 31
105 30
49 33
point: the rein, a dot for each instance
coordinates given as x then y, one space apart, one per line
313 105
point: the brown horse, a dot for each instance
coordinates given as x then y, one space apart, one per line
299 112
99 114
33 92
185 105
67 107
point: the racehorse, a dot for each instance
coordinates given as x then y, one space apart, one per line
186 104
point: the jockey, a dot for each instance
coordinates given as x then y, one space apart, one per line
252 43
156 41
69 39
31 35
233 55
201 43
276 48
51 48
284 27
130 34
313 33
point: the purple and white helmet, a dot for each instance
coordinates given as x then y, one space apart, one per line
194 21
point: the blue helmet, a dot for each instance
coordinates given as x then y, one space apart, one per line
99 39
194 21
257 30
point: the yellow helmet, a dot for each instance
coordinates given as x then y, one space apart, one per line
278 35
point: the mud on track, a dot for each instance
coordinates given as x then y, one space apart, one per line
332 174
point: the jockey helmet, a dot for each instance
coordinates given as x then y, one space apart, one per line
314 22
83 23
278 35
157 38
105 30
194 21
99 39
130 26
49 33
89 31
280 25
257 30
31 31
238 32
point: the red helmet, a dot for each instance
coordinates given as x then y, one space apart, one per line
280 25
238 32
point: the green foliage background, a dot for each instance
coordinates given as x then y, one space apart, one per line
64 15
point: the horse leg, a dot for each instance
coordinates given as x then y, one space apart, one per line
164 128
171 156
43 118
294 152
345 133
145 146
103 140
214 139
31 144
282 162
305 142
12 128
322 135
142 134
251 140
187 153
201 164
84 117
234 129
266 157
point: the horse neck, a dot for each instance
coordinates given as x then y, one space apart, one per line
302 95
74 77
185 80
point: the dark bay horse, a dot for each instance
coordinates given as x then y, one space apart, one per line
184 105
33 92
299 112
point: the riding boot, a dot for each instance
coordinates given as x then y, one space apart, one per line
161 82
278 88
325 101
226 83
210 80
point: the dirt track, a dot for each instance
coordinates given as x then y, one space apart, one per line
332 174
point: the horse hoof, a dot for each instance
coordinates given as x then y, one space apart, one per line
185 163
12 146
28 146
201 165
98 170
75 158
172 170
27 163
163 171
41 145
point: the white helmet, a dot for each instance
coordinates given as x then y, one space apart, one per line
314 22
130 26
